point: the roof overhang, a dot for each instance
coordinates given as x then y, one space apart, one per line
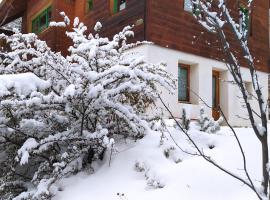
11 10
6 32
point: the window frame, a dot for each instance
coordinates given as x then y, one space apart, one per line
187 9
87 7
45 12
187 67
119 5
115 6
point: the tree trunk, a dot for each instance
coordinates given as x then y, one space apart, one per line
265 160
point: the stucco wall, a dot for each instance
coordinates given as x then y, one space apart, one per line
201 83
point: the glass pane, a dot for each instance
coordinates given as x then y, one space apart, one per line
182 84
49 14
35 26
188 5
43 21
122 5
214 93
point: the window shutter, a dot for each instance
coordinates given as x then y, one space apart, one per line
115 6
244 20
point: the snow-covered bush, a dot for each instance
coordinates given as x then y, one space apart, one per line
208 124
171 153
153 180
73 106
185 119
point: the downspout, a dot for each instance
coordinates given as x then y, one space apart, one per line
144 20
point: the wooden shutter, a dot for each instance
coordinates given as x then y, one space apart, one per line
115 6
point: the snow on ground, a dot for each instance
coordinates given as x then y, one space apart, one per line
175 176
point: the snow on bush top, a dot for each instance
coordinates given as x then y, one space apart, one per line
22 84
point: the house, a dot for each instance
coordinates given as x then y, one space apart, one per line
178 40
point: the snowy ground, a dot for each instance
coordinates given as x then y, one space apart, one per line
176 177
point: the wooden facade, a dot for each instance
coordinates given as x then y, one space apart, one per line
166 24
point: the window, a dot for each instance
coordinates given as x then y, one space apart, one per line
118 5
89 5
122 5
215 89
42 21
190 7
183 82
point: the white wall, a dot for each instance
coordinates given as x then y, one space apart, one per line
201 83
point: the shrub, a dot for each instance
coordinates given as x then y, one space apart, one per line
73 107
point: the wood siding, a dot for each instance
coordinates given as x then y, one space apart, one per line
113 23
163 22
168 25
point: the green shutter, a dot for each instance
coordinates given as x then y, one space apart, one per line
245 17
115 6
90 5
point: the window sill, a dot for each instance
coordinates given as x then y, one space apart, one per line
89 13
43 31
122 12
184 102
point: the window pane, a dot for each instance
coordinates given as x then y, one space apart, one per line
49 14
182 84
43 21
35 26
214 93
188 5
122 5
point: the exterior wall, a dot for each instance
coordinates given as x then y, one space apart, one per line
62 42
172 30
166 24
169 25
113 23
34 8
134 14
55 37
201 83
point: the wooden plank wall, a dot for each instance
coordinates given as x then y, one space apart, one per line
113 23
164 22
168 25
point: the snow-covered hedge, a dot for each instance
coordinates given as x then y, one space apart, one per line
58 114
